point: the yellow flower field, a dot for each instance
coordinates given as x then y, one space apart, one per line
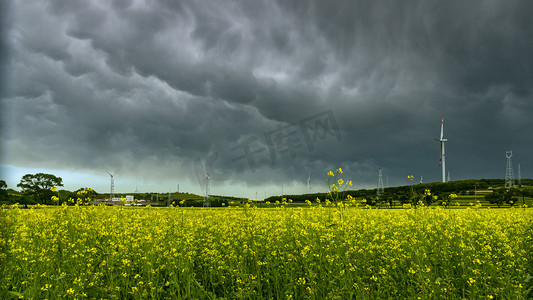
274 253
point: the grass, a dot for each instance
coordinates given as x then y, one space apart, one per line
271 253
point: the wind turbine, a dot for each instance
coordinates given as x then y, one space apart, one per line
442 140
207 203
112 194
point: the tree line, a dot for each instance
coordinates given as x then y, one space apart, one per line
41 188
428 193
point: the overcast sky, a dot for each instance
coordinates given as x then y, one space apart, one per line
261 94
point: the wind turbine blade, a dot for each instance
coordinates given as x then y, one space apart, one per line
442 129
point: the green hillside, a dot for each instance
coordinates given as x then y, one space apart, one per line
469 193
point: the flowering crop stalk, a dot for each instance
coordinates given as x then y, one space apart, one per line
272 253
54 197
337 187
414 199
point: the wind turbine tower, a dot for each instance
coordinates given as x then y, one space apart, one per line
380 189
442 140
112 193
509 174
207 203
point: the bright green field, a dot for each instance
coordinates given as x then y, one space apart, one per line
271 253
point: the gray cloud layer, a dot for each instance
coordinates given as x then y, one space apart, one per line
151 87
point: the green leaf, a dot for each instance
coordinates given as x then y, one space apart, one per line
14 294
60 277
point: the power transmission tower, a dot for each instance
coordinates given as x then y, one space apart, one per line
509 174
380 189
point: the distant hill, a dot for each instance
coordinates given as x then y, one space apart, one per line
459 187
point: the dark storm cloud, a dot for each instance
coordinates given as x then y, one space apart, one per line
5 26
162 84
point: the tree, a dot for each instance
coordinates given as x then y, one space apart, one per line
494 198
509 196
3 191
428 198
404 198
502 196
387 199
39 185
